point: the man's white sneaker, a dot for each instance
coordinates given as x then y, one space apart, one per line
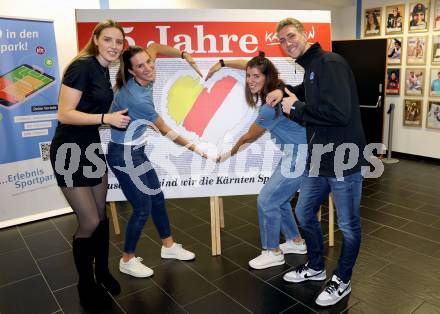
303 272
293 247
176 251
334 292
267 259
135 268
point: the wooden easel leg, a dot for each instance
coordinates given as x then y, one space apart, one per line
319 213
222 214
115 219
331 221
215 226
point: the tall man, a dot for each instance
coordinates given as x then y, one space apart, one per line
327 104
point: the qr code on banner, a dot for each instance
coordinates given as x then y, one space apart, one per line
45 150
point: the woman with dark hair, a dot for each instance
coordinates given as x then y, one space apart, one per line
128 161
395 52
84 100
274 209
372 25
418 18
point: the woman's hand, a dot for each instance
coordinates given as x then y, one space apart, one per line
192 63
199 152
212 70
223 156
274 97
117 119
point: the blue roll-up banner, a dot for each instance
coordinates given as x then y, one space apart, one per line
29 84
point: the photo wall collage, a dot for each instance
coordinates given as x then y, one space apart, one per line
420 65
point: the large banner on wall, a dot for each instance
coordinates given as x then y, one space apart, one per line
213 114
29 82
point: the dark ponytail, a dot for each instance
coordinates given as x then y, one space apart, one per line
123 74
271 74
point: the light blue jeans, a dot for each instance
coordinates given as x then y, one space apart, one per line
347 196
274 209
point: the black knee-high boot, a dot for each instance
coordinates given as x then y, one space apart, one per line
102 273
90 295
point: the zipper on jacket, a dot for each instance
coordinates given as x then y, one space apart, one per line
313 135
311 150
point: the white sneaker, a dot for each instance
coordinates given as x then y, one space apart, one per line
293 247
176 251
267 259
135 268
335 291
303 273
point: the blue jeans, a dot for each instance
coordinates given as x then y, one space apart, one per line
274 209
347 196
142 203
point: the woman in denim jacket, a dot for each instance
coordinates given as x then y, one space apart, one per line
274 209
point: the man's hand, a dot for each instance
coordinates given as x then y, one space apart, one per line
274 97
288 102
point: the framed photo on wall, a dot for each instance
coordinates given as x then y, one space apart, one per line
414 82
435 49
434 82
412 112
372 22
416 50
418 16
433 115
436 4
393 82
395 15
394 50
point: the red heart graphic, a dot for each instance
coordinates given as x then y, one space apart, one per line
207 104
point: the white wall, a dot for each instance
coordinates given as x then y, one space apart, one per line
416 141
63 15
242 4
344 23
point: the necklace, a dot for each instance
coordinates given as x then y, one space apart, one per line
104 70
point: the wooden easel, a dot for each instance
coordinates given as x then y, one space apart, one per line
218 222
115 219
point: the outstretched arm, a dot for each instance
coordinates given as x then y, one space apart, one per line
234 64
165 130
254 132
157 49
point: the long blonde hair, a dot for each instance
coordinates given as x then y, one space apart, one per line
90 48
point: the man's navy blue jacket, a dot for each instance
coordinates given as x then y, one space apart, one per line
328 106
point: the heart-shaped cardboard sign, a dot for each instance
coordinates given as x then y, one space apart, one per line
210 111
